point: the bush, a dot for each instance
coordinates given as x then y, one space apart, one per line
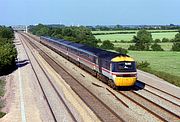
8 51
157 40
6 33
80 34
59 36
8 55
107 45
176 46
2 90
122 41
132 47
121 50
156 47
142 65
2 85
165 40
2 114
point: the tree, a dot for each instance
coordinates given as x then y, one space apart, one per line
142 40
156 47
176 44
157 40
43 31
8 55
177 37
76 34
6 32
107 45
165 40
8 51
40 30
121 50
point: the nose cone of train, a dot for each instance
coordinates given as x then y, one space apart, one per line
122 58
125 81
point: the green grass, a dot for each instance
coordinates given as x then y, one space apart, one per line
128 37
165 46
2 114
169 35
163 61
117 37
2 85
164 64
96 32
2 91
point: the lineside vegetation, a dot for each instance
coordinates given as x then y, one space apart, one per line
8 56
8 51
2 91
75 34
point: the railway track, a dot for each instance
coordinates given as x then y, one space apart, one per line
156 110
43 91
172 98
103 112
153 108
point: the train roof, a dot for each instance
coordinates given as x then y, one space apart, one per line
76 45
107 55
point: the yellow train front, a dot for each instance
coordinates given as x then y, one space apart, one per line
123 71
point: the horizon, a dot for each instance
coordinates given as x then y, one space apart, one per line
99 24
79 12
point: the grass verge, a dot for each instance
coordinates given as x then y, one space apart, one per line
166 76
2 91
2 114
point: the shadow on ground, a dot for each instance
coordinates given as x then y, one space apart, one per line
14 67
138 86
17 43
22 63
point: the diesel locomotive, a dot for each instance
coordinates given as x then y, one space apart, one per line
115 69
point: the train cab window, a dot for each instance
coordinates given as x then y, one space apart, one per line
123 67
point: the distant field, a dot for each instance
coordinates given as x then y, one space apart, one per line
96 32
165 46
117 37
165 61
128 37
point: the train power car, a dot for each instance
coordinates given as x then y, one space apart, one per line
112 68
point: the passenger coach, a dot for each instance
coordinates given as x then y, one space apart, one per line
112 68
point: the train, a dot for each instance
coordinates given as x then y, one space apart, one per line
114 69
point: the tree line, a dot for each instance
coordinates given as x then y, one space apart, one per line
143 40
133 27
8 51
80 34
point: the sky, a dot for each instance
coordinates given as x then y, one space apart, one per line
90 12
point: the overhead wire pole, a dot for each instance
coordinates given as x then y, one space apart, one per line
26 29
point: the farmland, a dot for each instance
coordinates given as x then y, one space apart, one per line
165 46
165 61
96 32
164 64
128 37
